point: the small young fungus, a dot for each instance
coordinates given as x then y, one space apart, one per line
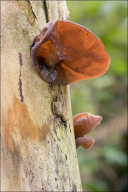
84 141
84 123
65 52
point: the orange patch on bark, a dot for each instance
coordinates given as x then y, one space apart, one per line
18 127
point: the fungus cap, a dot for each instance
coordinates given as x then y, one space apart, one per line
65 52
84 123
84 141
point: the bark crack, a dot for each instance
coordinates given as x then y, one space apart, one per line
20 80
32 9
46 11
57 110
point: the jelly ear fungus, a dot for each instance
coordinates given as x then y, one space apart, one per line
84 141
65 52
84 123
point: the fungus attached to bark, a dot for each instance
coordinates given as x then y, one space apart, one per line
65 52
84 123
84 141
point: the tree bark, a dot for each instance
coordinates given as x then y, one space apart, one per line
38 150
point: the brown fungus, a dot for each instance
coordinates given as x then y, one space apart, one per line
84 123
84 141
65 52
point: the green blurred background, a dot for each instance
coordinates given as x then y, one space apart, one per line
103 167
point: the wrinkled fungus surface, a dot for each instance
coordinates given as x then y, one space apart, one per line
65 52
84 123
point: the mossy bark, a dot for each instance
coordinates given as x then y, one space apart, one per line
37 138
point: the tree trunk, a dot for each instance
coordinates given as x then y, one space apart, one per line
38 150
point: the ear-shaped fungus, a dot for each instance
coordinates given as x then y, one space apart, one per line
84 123
84 141
65 52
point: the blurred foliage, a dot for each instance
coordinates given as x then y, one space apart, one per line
103 167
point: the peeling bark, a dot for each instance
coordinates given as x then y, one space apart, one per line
38 150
